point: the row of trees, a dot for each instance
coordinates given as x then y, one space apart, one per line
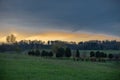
66 52
61 52
42 54
99 54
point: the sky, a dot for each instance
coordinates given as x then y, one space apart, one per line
69 20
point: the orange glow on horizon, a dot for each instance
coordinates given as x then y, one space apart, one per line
64 36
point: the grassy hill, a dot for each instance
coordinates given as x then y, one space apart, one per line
24 67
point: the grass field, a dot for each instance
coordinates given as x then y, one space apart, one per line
23 67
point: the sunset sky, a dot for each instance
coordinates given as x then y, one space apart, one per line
69 20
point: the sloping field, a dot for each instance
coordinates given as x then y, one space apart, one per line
23 67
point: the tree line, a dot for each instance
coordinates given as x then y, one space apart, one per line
61 52
23 45
66 53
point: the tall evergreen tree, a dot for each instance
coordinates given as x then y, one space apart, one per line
50 54
43 53
92 54
60 52
68 52
110 56
77 53
98 54
37 52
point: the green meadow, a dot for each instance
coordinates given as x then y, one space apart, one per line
24 67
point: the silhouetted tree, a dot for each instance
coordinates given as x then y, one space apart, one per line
98 54
43 53
11 39
29 53
102 56
50 54
110 56
60 52
37 52
77 54
92 54
105 55
67 52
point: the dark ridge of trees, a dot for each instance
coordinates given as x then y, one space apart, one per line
23 45
99 45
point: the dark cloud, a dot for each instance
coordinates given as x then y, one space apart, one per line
102 16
